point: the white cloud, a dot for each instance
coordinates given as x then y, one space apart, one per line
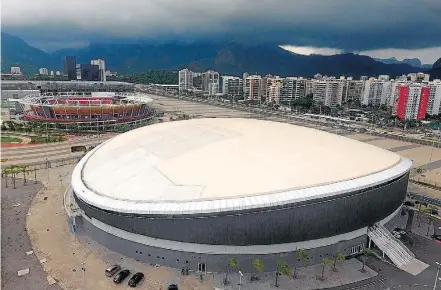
308 50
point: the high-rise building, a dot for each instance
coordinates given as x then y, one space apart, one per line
411 101
15 70
253 88
209 77
354 91
57 73
52 73
185 80
43 71
272 88
376 92
303 88
364 78
383 77
90 72
328 92
288 90
232 86
434 103
69 67
213 89
102 68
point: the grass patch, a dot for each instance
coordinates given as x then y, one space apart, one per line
6 139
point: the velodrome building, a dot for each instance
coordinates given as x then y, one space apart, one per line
195 193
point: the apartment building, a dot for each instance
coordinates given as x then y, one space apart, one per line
253 88
209 77
43 71
376 92
328 92
434 103
288 90
354 91
411 101
232 86
185 80
272 88
303 88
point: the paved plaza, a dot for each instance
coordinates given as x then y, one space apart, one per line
16 247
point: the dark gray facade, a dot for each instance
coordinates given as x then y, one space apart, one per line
69 67
310 220
213 263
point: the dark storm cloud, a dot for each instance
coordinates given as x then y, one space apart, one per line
343 24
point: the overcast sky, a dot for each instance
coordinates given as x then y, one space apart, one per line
383 28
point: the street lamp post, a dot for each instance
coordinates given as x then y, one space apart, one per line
437 274
240 279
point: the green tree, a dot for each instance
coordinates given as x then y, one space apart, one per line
338 257
366 253
232 263
326 262
258 266
282 269
302 255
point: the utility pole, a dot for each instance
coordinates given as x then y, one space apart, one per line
83 268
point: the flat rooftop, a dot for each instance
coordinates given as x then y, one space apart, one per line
210 159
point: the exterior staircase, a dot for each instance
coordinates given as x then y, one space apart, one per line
397 252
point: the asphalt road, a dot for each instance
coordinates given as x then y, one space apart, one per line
15 241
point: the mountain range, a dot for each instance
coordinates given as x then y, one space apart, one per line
227 58
415 62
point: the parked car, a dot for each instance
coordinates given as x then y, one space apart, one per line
112 270
434 211
172 287
409 203
436 237
121 276
134 281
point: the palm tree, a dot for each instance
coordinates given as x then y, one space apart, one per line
303 256
25 171
339 257
430 218
259 267
6 172
233 263
282 269
366 253
325 262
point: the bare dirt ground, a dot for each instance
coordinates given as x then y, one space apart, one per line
53 240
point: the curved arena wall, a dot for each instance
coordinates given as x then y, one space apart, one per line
301 221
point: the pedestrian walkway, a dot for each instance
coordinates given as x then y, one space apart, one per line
395 250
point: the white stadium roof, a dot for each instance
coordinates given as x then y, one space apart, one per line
209 165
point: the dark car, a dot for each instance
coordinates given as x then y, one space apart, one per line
409 203
436 237
173 287
121 276
134 281
112 270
